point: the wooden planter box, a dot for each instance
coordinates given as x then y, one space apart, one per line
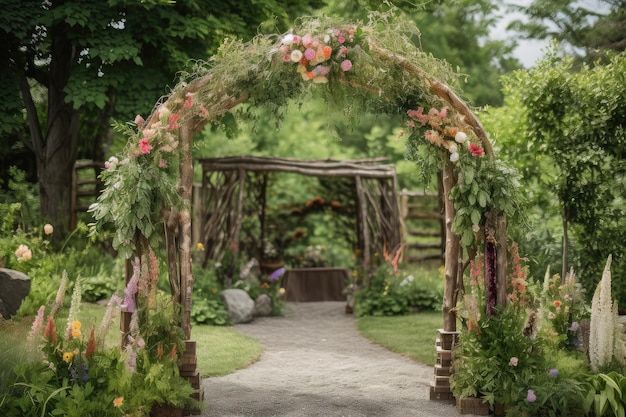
166 410
472 406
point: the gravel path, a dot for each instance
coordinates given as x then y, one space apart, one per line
317 364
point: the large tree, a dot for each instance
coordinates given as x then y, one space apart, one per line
69 66
580 26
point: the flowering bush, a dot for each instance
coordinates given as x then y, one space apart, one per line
564 308
500 352
73 373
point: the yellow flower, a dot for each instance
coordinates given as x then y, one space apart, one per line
67 357
76 333
281 291
118 401
76 325
199 246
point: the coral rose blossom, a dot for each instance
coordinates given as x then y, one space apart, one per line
144 146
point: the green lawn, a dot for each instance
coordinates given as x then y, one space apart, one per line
412 336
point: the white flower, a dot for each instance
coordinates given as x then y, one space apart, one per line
406 281
287 39
48 229
454 157
296 55
326 38
452 148
460 137
164 113
23 253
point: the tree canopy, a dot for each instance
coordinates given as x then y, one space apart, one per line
69 66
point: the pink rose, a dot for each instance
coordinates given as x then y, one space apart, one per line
346 65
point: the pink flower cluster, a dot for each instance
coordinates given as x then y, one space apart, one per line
442 131
312 54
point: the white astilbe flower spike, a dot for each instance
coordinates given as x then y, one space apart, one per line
619 350
601 330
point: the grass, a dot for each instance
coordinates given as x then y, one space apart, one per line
412 336
223 350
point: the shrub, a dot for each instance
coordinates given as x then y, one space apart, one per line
383 294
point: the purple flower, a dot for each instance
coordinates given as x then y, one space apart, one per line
309 54
553 373
530 396
276 274
574 327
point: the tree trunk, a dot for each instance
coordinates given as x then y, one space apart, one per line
57 154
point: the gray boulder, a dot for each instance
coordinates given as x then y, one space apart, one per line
263 305
239 305
14 287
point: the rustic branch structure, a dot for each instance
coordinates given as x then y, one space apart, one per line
235 187
231 186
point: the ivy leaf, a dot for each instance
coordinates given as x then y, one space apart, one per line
483 197
475 216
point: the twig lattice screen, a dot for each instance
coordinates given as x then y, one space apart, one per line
235 187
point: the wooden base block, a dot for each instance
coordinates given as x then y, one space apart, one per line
472 406
445 396
447 339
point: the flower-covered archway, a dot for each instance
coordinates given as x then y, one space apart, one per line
369 66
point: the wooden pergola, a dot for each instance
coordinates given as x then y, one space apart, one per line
235 187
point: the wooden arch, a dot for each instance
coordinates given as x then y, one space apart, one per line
220 99
392 66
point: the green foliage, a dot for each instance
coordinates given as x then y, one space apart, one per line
137 187
208 306
484 186
209 311
483 367
605 394
574 123
45 260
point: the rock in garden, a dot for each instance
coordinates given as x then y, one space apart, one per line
239 305
14 287
263 305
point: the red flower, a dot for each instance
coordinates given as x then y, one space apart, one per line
476 150
172 122
144 146
557 303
